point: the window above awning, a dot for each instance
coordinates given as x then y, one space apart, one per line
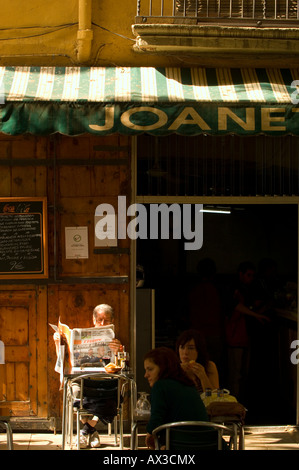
160 101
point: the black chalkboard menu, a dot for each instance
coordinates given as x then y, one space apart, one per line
23 238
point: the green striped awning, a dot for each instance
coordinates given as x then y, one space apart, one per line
132 100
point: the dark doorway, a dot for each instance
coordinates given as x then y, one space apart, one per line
250 232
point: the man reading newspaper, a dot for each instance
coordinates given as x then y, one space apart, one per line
103 315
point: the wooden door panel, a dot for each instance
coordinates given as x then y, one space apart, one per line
18 331
22 386
14 325
16 353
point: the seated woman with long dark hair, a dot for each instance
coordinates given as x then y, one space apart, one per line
193 354
173 394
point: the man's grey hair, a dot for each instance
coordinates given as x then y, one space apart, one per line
103 308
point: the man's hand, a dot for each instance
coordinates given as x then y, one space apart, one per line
56 337
115 346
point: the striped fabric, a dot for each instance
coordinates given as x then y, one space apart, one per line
132 100
146 85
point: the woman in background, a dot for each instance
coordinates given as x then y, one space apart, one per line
173 394
191 349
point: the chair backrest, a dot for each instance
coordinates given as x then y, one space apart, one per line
191 435
101 394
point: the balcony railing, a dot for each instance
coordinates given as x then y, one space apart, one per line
258 11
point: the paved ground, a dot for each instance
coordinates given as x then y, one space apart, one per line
256 438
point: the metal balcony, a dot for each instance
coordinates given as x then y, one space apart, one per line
281 13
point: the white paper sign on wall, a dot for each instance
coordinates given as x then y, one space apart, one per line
76 242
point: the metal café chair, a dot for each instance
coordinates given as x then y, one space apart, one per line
5 421
232 415
96 390
237 427
191 436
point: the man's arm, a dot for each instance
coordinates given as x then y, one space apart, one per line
56 338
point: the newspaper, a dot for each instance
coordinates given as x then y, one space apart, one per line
64 356
81 347
91 346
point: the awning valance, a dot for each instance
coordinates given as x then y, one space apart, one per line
160 101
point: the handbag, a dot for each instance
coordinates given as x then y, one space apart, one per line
214 397
224 406
234 410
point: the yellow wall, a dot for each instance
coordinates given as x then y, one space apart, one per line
51 33
39 32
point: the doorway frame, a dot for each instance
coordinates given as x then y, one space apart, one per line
214 200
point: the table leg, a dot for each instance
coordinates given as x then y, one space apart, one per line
64 413
134 434
241 437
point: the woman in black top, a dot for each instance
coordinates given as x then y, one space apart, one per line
173 395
